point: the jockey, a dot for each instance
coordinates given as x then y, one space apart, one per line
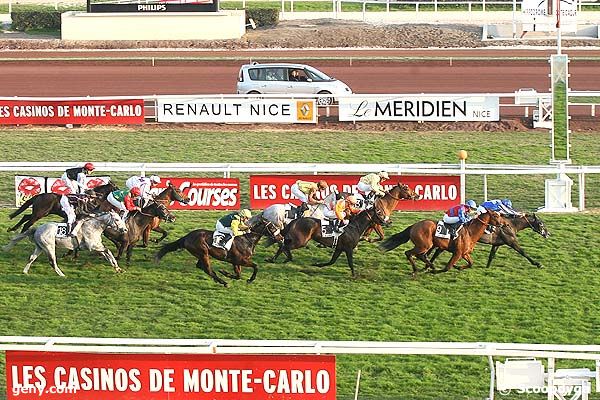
459 214
306 191
124 200
74 178
144 184
372 183
338 211
503 207
232 225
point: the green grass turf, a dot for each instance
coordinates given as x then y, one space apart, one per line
510 302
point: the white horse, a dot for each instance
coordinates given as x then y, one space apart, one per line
89 237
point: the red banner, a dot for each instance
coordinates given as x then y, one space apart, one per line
437 192
78 112
91 376
205 193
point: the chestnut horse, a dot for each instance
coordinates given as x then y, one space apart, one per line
171 193
388 203
422 235
507 235
199 244
45 204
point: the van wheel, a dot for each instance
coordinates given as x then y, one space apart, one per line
253 92
324 101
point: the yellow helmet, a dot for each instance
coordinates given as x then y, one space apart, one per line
245 213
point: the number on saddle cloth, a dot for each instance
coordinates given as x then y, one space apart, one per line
442 230
222 240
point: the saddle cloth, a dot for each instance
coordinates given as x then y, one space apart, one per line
442 231
327 229
62 229
222 240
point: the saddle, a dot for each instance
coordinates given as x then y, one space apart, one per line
222 240
444 231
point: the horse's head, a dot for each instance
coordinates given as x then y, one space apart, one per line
116 222
258 224
379 214
402 192
178 195
537 225
491 218
159 210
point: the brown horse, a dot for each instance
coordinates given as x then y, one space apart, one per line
199 244
170 194
422 235
45 204
506 234
137 223
300 231
388 202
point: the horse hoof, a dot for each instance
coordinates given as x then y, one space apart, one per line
250 281
269 260
225 284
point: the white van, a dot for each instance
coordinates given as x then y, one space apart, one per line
292 79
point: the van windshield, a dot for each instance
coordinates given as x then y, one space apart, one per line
316 75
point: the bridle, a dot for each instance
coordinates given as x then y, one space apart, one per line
403 186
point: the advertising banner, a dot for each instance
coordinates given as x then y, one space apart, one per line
540 15
436 192
78 112
211 110
204 193
93 376
28 186
420 108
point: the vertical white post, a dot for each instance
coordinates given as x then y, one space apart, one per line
462 156
581 191
492 377
485 188
550 378
357 385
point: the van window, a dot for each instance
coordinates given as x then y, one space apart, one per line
267 74
316 75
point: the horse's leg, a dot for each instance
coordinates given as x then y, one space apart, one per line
467 257
438 251
492 255
129 253
204 264
451 263
334 257
428 263
51 252
146 236
365 235
36 252
519 250
163 232
277 253
379 230
21 221
108 255
236 275
254 271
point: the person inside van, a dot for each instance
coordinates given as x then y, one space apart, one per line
296 77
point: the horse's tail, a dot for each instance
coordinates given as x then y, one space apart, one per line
396 240
28 233
169 247
24 207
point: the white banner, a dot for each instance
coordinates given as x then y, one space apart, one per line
27 187
211 110
540 15
420 108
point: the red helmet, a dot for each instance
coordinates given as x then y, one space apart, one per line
89 166
135 191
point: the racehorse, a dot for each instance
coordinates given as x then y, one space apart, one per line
506 234
422 235
280 214
137 223
45 204
89 237
199 244
171 193
388 203
302 230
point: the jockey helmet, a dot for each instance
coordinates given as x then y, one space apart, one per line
322 184
89 166
507 202
351 199
245 213
383 175
154 179
471 204
135 191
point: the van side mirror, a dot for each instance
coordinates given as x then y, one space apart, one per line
309 80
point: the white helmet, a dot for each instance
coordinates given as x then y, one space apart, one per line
383 175
154 179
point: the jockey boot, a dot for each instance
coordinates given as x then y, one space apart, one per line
336 225
300 210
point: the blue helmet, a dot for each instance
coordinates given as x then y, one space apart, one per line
507 202
471 203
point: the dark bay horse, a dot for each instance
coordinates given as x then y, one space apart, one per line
388 203
506 234
45 204
300 231
137 223
199 244
171 193
422 235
